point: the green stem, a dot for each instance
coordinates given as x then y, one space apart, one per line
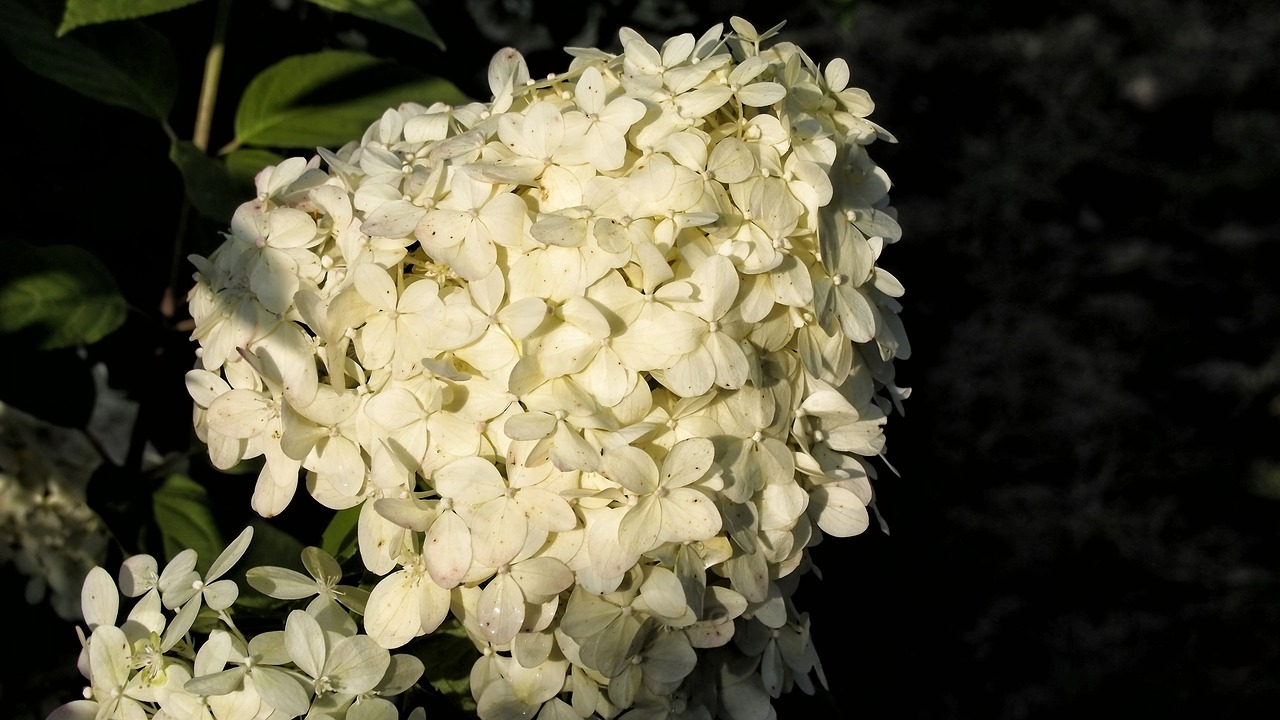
212 73
199 138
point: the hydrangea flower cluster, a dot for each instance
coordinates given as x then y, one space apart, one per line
47 529
597 360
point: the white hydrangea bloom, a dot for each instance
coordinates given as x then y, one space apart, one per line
599 359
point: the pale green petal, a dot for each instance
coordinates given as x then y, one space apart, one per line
305 642
109 657
731 161
607 556
403 672
691 375
231 555
703 101
99 599
546 509
838 511
470 481
269 648
393 615
372 708
687 515
632 468
639 528
864 437
609 651
561 230
147 615
281 691
498 531
732 366
856 314
688 461
395 219
522 317
500 609
433 604
204 386
761 94
669 658
447 549
441 229
749 575
380 540
356 664
607 378
394 408
138 574
274 279
375 286
571 452
178 590
564 350
290 228
590 93
587 615
221 595
178 571
542 576
663 593
180 624
219 683
536 685
320 564
498 702
339 459
377 341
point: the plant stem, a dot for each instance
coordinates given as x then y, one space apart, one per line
212 72
199 138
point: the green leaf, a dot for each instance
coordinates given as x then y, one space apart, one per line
56 296
271 546
127 65
209 185
399 14
340 538
328 98
92 12
245 163
182 511
448 655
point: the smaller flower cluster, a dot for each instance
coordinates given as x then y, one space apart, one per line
178 653
47 529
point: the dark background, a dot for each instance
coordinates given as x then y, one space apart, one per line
1086 518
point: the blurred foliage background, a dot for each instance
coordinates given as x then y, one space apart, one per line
1086 517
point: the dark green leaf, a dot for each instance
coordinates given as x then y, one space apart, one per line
340 538
328 98
448 654
271 546
56 296
399 14
209 185
183 513
127 64
91 12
